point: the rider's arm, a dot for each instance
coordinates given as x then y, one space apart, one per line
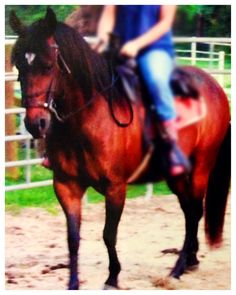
106 23
165 23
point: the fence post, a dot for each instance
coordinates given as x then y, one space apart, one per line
28 167
11 148
193 53
149 191
221 67
212 47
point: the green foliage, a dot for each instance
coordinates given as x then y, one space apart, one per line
191 20
31 13
203 20
192 10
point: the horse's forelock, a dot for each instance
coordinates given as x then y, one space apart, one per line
33 41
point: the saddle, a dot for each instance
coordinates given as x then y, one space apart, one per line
190 106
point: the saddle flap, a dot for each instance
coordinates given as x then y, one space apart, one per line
129 79
189 111
182 84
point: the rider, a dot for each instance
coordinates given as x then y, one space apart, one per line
145 34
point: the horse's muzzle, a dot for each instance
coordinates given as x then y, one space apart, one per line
38 127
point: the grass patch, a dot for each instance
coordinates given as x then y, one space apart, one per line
206 64
36 197
44 197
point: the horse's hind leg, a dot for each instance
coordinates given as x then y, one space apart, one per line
69 195
115 199
193 210
191 202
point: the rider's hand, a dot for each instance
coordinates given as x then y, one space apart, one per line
101 45
130 49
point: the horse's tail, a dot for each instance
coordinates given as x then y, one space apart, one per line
217 193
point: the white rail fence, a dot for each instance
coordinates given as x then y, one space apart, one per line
193 57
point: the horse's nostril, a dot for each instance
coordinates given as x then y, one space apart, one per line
42 123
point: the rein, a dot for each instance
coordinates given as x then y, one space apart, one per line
70 114
30 101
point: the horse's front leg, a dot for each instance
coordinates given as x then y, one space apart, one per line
115 199
69 195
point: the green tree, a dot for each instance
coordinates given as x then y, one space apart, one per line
203 20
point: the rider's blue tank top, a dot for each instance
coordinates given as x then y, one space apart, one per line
134 20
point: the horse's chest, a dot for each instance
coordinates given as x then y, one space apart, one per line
67 163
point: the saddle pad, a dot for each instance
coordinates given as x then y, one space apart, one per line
189 111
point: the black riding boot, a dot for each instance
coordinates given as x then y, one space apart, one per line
175 162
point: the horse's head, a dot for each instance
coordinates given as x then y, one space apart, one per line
35 55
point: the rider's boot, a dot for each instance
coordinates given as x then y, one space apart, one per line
176 163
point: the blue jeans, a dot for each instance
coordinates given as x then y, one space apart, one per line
156 67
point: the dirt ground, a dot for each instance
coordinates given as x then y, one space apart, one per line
36 249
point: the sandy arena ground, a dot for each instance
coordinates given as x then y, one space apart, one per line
36 249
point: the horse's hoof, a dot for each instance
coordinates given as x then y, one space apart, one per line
109 287
176 272
192 267
73 286
192 263
174 275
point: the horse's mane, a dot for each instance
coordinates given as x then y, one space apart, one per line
89 69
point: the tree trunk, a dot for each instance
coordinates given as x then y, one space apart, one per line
200 25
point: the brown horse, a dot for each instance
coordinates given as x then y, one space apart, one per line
72 97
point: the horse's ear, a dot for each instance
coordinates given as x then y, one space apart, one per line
17 26
50 21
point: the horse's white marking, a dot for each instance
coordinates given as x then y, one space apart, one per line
30 56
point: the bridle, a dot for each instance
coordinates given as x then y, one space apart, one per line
31 101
